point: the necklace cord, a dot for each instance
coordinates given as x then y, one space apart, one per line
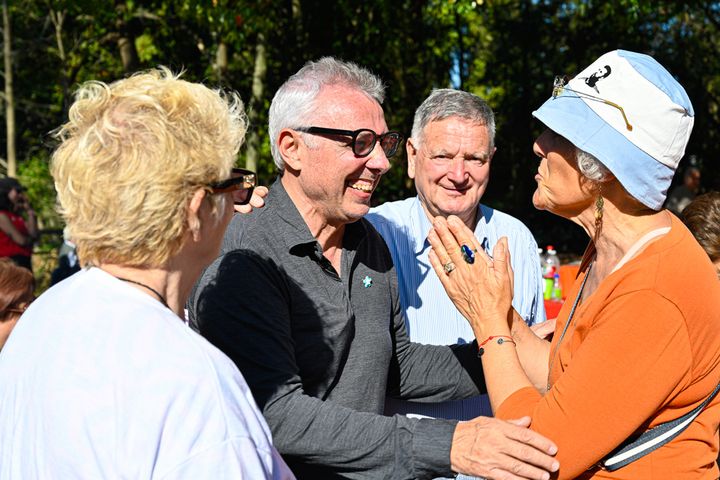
160 297
567 324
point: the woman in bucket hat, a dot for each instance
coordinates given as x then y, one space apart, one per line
637 343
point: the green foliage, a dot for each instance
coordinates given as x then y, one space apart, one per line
35 176
504 50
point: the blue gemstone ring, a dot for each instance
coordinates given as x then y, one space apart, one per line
468 254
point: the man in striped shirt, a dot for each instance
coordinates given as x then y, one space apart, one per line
449 156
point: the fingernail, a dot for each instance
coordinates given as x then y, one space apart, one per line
555 466
546 476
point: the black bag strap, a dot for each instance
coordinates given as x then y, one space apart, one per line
652 439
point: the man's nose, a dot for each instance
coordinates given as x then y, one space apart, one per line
456 169
377 160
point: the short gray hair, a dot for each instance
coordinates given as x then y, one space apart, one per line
443 103
592 168
294 101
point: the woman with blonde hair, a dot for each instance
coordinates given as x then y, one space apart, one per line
627 387
102 378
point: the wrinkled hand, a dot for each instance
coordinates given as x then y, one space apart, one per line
495 449
482 292
544 329
256 201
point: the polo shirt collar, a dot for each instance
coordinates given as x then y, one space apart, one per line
420 226
295 231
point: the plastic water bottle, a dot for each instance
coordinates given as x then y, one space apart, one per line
550 267
557 289
552 263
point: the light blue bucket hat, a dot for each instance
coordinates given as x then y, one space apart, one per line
631 114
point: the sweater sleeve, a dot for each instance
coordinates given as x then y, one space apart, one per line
430 373
633 360
244 309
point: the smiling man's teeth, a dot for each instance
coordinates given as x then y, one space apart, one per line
362 186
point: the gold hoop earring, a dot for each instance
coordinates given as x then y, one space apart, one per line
599 204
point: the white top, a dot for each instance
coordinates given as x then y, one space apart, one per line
99 380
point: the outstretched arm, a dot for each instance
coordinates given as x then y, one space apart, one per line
244 309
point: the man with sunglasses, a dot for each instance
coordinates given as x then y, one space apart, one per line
449 157
305 300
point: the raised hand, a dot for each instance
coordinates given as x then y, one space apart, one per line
481 290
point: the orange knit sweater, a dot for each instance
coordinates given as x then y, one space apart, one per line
643 349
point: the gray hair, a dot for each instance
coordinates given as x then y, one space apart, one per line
294 101
592 168
444 103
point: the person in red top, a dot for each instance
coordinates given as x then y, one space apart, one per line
637 342
18 224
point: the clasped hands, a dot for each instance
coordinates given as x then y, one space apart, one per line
479 286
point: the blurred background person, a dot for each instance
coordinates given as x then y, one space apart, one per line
637 343
702 217
102 378
682 195
68 261
18 224
16 292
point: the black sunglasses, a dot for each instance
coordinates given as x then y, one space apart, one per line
363 140
241 183
559 86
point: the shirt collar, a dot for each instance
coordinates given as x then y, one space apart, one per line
296 232
420 226
291 225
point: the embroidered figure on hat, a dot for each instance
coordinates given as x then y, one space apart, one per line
591 81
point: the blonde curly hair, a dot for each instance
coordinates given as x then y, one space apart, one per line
131 156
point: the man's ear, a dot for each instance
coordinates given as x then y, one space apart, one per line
194 213
289 145
492 154
411 157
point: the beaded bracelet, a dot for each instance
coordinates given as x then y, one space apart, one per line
500 340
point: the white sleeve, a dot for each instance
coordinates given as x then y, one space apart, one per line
236 458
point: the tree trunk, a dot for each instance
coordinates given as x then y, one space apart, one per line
57 17
128 54
461 51
9 96
126 39
221 61
297 25
256 102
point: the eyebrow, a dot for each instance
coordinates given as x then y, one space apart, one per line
470 156
478 156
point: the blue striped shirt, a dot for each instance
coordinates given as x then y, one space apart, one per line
430 315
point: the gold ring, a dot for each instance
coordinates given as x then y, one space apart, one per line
449 267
